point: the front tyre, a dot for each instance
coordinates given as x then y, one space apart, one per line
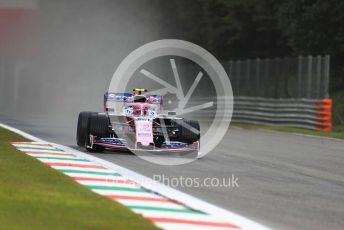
98 125
189 131
82 127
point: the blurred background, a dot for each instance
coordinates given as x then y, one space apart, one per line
57 57
285 62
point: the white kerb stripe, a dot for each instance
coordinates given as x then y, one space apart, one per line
221 214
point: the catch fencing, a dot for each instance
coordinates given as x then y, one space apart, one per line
282 91
289 77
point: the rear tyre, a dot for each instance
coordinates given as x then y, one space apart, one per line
82 127
189 132
98 125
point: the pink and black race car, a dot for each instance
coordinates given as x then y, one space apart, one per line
135 121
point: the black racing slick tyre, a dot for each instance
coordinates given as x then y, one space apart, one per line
98 125
189 131
82 127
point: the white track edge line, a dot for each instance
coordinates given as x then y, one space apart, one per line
243 222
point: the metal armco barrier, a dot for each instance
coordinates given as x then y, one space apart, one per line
313 114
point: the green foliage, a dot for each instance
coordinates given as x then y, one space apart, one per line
338 108
234 29
315 27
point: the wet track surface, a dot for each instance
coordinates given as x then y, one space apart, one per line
286 181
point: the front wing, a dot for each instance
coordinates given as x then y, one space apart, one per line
120 143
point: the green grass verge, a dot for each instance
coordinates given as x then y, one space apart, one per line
338 108
337 132
34 196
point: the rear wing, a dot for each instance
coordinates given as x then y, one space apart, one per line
118 97
115 101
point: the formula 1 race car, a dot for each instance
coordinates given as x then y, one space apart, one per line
134 121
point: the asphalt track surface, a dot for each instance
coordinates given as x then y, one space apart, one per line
286 181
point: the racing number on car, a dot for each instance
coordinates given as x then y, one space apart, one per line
144 131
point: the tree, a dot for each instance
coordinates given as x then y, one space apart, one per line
315 27
240 29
